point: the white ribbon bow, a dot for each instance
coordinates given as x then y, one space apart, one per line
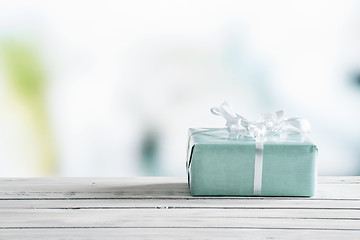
269 124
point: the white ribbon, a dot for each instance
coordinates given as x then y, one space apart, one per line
267 125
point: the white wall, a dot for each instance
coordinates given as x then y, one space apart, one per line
118 69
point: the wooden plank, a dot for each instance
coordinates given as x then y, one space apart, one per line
175 233
144 180
142 188
201 213
180 204
181 218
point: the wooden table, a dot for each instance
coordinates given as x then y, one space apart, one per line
161 208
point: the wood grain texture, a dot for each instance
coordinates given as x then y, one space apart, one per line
197 203
176 233
143 188
162 208
181 218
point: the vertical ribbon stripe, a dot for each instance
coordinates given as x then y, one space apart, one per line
259 156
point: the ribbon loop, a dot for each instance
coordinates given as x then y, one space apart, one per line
234 122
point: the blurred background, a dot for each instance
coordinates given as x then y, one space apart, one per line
109 88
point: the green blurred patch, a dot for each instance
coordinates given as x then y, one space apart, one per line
27 79
26 74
